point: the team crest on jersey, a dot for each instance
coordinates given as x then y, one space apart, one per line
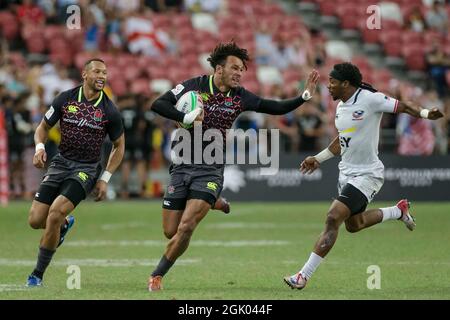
98 115
228 101
170 189
357 115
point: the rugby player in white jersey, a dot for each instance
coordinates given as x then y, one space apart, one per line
361 173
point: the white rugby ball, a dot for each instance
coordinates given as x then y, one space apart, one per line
188 102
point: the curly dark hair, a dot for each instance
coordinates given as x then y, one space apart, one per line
223 50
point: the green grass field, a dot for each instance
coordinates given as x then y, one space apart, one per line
243 255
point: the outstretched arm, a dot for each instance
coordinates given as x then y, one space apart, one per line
311 163
285 106
418 112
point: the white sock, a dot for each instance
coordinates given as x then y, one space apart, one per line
391 213
311 265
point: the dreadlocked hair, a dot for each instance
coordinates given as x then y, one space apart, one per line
223 50
351 73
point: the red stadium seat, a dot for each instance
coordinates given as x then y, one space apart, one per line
412 37
118 86
416 62
140 86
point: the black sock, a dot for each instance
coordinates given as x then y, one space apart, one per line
44 258
163 266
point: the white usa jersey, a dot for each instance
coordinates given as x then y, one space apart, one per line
358 123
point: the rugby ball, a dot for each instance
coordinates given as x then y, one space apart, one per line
188 102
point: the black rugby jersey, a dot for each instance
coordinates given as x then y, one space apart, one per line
84 124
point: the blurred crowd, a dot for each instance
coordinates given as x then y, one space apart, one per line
144 34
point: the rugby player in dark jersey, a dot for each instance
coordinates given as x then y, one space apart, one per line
194 188
86 115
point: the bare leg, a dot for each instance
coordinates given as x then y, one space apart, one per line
363 220
195 211
170 221
58 211
337 214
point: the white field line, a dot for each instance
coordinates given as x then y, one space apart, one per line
93 262
366 263
157 243
263 225
4 287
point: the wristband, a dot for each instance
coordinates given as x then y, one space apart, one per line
424 113
324 155
306 95
106 175
40 146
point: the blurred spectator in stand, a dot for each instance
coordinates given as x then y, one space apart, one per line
211 6
438 64
18 126
310 124
437 17
415 20
161 6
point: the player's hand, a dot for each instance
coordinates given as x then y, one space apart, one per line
201 116
312 81
434 114
39 158
192 116
309 165
100 190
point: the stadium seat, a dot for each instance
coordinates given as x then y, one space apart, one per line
118 86
338 49
140 86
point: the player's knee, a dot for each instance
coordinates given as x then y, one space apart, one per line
185 229
352 227
170 233
332 220
34 221
55 217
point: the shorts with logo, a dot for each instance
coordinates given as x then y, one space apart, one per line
204 182
62 169
357 191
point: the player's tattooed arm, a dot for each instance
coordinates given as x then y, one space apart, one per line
40 137
419 112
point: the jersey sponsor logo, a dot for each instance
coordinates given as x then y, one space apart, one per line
176 91
83 176
344 142
211 186
98 115
170 189
357 115
72 109
82 123
49 113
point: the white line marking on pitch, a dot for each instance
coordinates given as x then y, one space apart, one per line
157 243
94 262
262 225
4 287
